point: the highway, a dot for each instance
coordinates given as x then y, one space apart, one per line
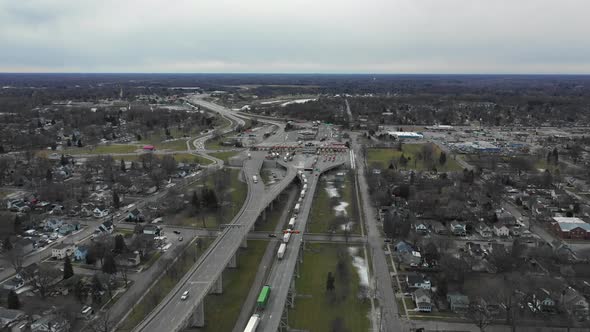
173 314
282 271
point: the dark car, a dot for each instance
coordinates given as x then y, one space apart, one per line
176 232
272 235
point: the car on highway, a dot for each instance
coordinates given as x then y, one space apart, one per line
180 238
176 232
272 235
184 295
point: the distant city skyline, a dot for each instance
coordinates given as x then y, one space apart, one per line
298 36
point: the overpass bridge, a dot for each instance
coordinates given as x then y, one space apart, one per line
174 314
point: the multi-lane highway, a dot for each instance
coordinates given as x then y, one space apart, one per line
173 314
281 274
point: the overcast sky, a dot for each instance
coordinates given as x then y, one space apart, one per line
300 36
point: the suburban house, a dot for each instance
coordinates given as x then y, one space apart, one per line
458 229
53 224
135 215
501 230
422 300
415 280
61 250
129 259
98 213
484 230
439 228
575 304
543 301
12 320
151 230
458 302
28 272
474 249
13 284
80 253
571 228
66 229
50 323
403 246
421 228
106 227
504 217
411 259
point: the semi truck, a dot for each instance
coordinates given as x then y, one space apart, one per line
281 251
302 193
255 178
297 206
292 223
252 323
263 297
286 237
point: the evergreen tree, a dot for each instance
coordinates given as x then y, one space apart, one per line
123 168
442 159
68 269
12 300
109 266
6 244
138 137
195 200
63 160
116 200
69 142
330 282
120 245
49 175
79 143
555 156
2 149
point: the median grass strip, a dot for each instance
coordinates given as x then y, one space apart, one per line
382 158
164 285
317 309
324 218
222 311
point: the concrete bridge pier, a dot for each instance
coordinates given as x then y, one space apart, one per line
218 286
198 317
233 262
244 243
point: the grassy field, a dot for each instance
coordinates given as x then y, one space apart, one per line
162 287
179 157
237 191
382 157
222 311
315 310
225 156
323 216
104 149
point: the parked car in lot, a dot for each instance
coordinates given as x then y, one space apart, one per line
180 238
176 232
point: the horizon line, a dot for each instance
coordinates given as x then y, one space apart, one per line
292 73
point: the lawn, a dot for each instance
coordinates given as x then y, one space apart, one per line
382 158
236 195
161 288
323 216
225 156
315 309
222 311
179 157
103 149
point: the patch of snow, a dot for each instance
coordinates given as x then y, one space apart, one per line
347 226
360 265
245 108
272 102
331 190
297 101
340 209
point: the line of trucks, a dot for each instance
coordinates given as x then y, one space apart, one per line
264 294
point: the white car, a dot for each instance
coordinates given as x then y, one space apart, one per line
184 295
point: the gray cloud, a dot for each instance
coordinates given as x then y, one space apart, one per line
385 36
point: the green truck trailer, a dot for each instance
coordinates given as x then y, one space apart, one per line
263 297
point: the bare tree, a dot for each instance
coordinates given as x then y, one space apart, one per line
102 322
480 315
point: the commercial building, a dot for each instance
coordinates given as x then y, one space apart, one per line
571 228
405 134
